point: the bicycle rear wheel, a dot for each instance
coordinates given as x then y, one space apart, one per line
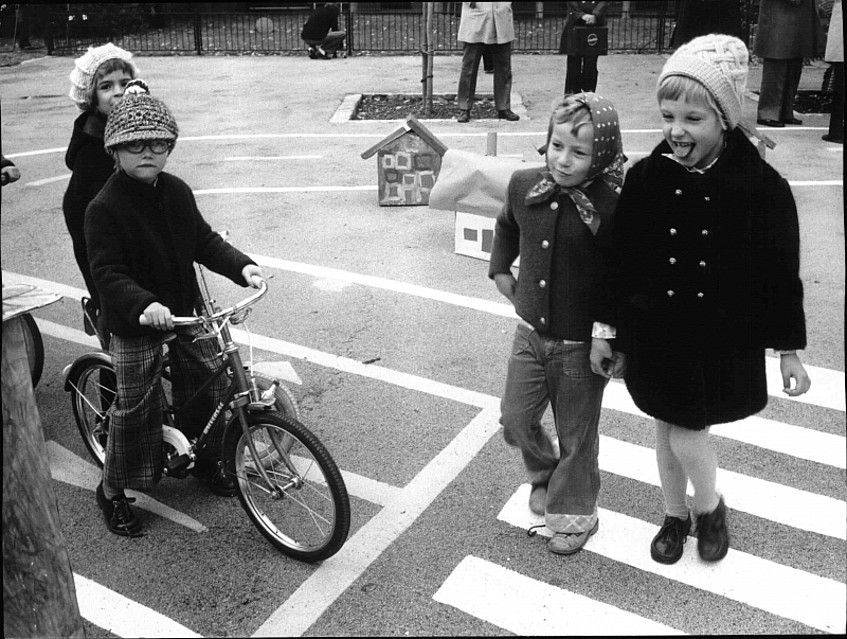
305 512
34 348
93 391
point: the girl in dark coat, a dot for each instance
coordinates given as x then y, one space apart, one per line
97 83
705 263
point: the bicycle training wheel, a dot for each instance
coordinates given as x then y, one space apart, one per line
92 395
305 511
34 345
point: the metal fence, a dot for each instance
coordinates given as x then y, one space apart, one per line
279 32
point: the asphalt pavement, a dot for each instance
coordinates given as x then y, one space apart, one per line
400 347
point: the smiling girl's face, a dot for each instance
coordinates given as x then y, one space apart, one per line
109 88
693 129
569 152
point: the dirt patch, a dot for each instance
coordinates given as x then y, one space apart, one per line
380 106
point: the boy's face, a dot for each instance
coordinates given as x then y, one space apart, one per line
145 164
109 88
693 130
569 153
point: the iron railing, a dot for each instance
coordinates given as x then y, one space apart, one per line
279 32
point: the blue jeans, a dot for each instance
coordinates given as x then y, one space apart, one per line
546 371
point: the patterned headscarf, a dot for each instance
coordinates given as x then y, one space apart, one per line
607 159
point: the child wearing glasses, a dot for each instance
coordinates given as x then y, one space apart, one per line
144 233
98 80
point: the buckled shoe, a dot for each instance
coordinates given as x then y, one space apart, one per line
666 547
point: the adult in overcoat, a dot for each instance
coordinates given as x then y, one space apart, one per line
581 72
787 32
835 56
486 23
700 17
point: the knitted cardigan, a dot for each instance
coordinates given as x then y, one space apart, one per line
142 242
561 271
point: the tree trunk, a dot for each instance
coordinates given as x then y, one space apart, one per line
39 597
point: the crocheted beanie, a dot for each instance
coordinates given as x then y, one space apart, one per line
85 72
139 116
719 63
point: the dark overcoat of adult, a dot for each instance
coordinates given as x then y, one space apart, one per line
705 272
700 17
788 29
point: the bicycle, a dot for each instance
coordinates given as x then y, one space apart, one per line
286 480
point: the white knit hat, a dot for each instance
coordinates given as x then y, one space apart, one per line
85 69
718 62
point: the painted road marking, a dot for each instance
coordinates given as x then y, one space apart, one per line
284 189
122 616
781 590
250 158
532 608
784 438
335 575
67 467
776 502
58 178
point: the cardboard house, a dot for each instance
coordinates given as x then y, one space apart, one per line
408 162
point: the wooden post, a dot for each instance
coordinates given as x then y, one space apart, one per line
39 597
491 143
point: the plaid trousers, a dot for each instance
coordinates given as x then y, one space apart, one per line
134 448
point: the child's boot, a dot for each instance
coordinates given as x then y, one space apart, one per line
538 499
713 534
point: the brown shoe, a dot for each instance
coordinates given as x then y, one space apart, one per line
713 534
508 114
570 543
538 499
464 115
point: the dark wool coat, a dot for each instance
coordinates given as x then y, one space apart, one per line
323 20
705 276
561 271
788 29
142 242
700 17
575 11
91 166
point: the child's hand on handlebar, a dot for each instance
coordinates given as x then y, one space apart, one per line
158 316
252 275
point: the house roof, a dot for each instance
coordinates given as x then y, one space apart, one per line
412 124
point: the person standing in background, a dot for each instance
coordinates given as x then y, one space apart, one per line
835 56
486 23
788 31
701 17
581 73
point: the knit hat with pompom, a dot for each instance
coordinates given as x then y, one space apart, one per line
85 72
139 116
718 62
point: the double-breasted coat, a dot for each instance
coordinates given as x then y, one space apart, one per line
788 30
704 276
486 22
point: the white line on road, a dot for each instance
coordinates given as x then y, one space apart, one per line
245 158
121 616
531 608
781 590
766 499
337 574
58 178
284 189
67 467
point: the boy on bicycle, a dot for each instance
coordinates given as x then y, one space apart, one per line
143 232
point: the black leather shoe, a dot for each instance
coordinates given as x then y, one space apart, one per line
213 475
509 115
464 116
832 138
666 547
774 123
792 121
119 516
712 534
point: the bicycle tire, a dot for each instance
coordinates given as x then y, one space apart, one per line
34 348
92 393
312 503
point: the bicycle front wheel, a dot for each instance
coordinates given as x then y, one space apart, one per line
303 509
34 348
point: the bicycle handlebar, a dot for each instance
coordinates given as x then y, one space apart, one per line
232 310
